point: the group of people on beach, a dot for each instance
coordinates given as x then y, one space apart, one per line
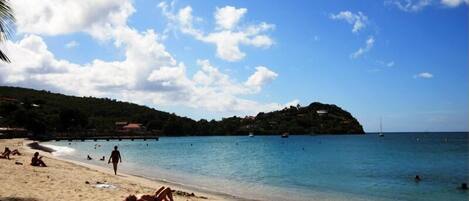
162 194
36 160
6 154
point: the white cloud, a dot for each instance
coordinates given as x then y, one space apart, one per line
148 74
425 75
454 3
418 5
54 17
358 20
72 44
229 16
368 45
228 36
410 5
261 77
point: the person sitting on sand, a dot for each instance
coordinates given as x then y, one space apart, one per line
116 158
103 158
89 157
162 194
37 161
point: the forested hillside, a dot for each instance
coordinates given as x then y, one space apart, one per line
43 112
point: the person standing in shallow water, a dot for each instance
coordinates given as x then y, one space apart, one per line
115 158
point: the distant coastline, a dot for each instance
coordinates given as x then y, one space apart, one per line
46 114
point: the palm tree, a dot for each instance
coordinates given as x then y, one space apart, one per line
6 22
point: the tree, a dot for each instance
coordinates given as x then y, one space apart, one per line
72 120
6 22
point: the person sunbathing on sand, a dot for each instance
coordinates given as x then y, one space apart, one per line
7 152
37 161
162 194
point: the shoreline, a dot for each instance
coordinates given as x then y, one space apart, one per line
187 187
182 188
73 180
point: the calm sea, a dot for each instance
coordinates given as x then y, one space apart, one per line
326 167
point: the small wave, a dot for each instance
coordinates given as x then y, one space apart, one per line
60 150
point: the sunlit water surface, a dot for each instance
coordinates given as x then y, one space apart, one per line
328 167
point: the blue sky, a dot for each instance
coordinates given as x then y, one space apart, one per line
404 61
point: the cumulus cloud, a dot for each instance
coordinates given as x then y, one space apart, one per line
368 45
54 17
229 16
358 21
424 75
72 44
148 74
228 35
261 77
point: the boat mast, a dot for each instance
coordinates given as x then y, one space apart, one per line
380 125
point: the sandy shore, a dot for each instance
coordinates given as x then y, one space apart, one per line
68 180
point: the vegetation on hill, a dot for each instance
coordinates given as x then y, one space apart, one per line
43 112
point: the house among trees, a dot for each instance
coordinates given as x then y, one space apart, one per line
124 126
321 112
133 127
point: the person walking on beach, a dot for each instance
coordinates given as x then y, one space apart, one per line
115 158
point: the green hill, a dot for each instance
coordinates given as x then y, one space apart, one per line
43 112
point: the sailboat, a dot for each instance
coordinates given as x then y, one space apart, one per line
381 128
284 135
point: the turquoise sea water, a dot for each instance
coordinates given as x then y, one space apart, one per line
328 167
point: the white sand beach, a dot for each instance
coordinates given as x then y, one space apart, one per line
74 181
